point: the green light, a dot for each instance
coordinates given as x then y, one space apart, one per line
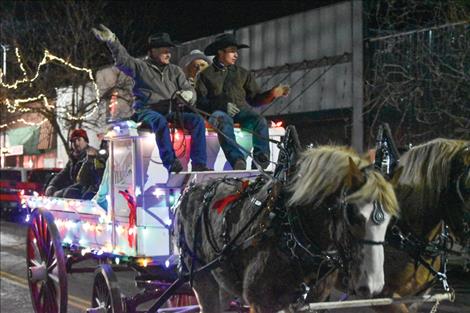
171 199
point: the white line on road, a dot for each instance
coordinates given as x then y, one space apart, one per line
21 282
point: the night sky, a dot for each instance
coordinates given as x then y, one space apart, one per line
186 20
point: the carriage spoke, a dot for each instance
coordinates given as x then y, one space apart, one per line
41 293
36 237
46 241
52 299
36 251
40 302
35 262
44 227
36 292
55 278
54 296
45 265
52 265
40 240
51 253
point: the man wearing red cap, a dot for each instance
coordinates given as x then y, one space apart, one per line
79 177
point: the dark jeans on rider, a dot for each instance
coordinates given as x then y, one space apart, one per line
71 192
247 119
191 122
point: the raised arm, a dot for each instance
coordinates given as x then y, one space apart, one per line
255 97
122 59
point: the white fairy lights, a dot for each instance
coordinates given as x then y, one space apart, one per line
16 105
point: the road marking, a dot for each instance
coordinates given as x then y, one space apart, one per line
22 282
21 248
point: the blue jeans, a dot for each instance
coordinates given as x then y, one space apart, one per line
191 122
248 120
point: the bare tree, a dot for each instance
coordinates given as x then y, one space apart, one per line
417 75
63 29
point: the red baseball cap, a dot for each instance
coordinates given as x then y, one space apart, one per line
78 133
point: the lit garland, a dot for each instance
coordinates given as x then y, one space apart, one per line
47 58
18 58
13 107
22 120
69 228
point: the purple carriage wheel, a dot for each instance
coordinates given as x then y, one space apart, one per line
45 261
106 297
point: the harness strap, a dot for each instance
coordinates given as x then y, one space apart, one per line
416 248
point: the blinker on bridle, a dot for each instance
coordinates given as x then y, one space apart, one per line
378 215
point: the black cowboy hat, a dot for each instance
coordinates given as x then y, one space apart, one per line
159 40
223 41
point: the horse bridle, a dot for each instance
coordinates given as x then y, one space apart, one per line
378 217
462 191
458 184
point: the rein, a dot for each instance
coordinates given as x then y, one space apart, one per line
441 245
418 249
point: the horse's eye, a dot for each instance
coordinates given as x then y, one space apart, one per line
354 217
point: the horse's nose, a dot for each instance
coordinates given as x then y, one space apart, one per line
363 292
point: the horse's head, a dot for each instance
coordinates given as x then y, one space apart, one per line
367 204
361 203
438 174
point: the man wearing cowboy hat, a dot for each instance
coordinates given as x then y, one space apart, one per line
228 91
193 63
157 83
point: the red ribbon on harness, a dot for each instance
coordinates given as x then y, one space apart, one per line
132 216
221 204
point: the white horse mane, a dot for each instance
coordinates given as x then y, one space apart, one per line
429 165
321 172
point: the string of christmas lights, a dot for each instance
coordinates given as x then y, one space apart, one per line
16 105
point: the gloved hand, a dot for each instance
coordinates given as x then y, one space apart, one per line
279 91
232 109
104 34
50 190
184 95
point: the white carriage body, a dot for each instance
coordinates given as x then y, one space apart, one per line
134 165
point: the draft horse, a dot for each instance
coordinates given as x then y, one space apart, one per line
270 239
433 187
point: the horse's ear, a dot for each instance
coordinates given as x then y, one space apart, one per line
355 177
369 155
396 175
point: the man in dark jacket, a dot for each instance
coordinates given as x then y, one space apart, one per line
80 177
228 91
157 84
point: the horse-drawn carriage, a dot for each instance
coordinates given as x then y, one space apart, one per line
126 226
267 238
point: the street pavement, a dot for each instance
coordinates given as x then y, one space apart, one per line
14 288
15 298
